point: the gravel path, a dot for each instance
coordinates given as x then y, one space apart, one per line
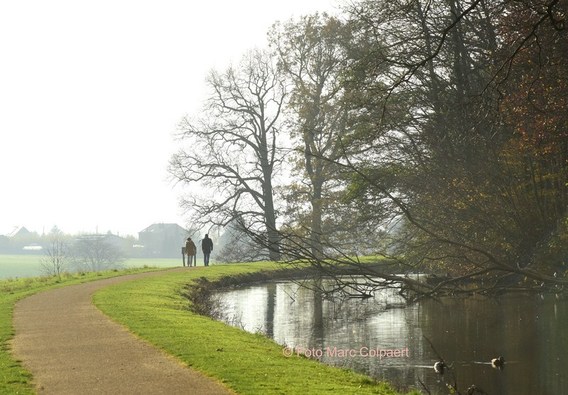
70 347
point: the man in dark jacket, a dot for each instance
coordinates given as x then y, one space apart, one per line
206 247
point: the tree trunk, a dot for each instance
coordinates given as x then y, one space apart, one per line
317 211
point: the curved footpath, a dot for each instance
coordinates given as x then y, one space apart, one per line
71 347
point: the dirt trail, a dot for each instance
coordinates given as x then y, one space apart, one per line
70 347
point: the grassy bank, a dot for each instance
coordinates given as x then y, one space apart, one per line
14 379
155 310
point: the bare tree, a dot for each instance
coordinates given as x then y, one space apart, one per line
232 149
95 253
57 254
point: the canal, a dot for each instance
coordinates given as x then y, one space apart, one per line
383 338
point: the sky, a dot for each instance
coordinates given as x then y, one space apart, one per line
91 93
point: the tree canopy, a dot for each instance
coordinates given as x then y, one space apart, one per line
431 132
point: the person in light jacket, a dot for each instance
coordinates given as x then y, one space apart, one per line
191 251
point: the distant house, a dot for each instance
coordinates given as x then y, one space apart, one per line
22 241
20 232
162 240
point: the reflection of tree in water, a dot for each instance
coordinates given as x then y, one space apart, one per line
270 310
466 332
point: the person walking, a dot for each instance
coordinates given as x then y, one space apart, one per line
206 247
191 251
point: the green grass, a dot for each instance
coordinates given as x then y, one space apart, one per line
154 310
152 262
14 379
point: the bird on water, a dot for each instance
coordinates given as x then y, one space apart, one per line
440 367
498 363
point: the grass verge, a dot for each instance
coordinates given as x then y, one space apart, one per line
155 310
14 379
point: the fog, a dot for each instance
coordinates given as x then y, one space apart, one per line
91 96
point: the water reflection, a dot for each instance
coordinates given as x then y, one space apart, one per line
527 330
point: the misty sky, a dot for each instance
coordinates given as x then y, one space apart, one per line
90 96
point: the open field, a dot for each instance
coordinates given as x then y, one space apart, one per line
20 266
